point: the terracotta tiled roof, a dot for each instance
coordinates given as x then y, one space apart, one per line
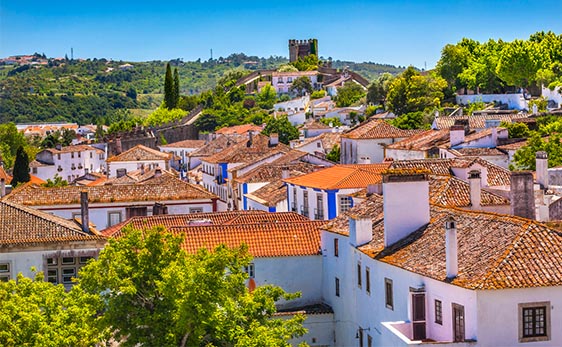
76 148
342 176
497 176
212 218
477 121
36 180
246 151
314 124
22 225
476 152
329 140
453 192
140 176
513 146
494 251
423 141
159 189
263 240
266 234
377 129
270 194
217 145
140 153
274 170
186 144
239 129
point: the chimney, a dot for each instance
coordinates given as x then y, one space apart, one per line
474 181
522 194
360 230
451 248
285 173
494 136
2 187
118 146
250 138
541 164
84 213
273 139
58 146
374 189
405 204
157 172
456 135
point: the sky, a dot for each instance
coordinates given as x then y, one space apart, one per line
400 33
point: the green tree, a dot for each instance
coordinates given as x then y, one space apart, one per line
132 93
519 62
308 63
169 97
301 86
57 181
334 154
412 92
317 94
335 121
38 313
412 120
524 158
21 167
10 140
378 89
350 93
283 127
267 97
157 295
176 87
516 130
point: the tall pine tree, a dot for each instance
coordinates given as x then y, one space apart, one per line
21 167
176 87
169 98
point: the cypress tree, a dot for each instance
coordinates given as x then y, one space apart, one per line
176 87
21 167
169 89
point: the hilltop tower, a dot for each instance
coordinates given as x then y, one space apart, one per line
302 48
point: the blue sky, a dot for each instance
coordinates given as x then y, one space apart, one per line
393 32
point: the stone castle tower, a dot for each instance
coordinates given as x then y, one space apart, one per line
302 48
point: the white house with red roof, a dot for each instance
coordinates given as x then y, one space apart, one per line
138 157
68 162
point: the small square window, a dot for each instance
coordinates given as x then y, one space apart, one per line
345 203
438 312
52 276
388 295
67 261
84 260
534 322
4 267
250 270
68 274
51 261
114 218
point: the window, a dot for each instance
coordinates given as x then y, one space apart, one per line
458 323
195 209
133 211
250 270
34 170
318 145
389 300
79 154
360 335
68 274
72 154
438 312
345 203
336 247
367 280
294 202
359 275
534 322
113 218
337 286
304 209
369 341
319 215
5 272
58 156
91 155
63 269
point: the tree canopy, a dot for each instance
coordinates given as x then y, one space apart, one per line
156 294
301 86
21 167
283 127
350 93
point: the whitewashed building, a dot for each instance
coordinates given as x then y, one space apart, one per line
136 158
68 162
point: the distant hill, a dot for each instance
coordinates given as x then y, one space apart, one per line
86 91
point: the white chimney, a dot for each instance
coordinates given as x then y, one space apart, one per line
474 181
451 248
541 164
84 213
360 230
456 135
285 173
405 204
273 139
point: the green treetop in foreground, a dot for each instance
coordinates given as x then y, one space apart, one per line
145 290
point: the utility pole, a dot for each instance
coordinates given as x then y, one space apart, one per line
211 54
71 54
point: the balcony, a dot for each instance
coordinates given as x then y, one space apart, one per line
304 211
318 214
402 334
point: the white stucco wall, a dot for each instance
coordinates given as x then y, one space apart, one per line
90 161
404 154
354 149
553 95
498 317
112 167
320 330
513 101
